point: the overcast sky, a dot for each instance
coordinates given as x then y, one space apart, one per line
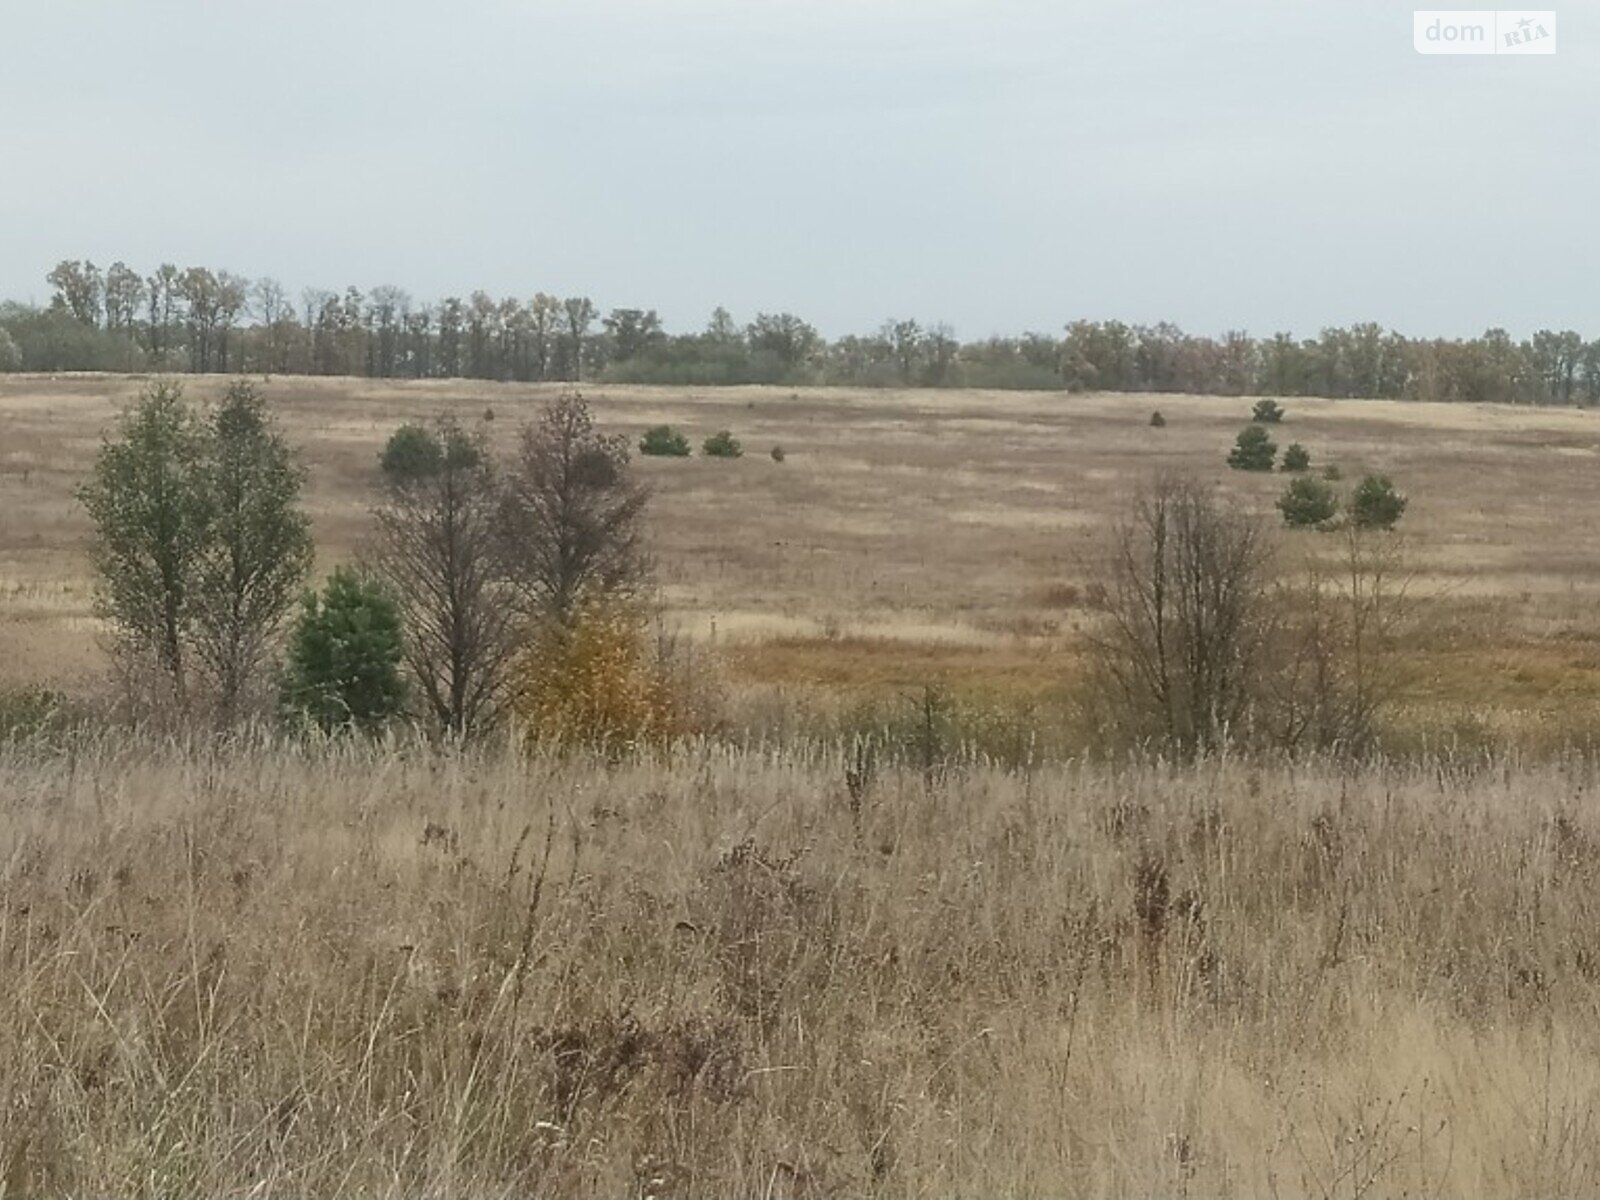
1001 165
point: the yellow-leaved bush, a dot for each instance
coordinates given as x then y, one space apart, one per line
606 679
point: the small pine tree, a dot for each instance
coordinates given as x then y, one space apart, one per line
663 441
778 454
1296 458
1308 503
1157 421
411 453
1253 450
1267 412
344 657
1375 504
722 445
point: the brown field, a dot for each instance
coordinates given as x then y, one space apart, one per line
336 972
267 967
913 536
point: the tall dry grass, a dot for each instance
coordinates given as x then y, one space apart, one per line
271 969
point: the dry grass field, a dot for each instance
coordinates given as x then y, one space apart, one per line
269 971
265 966
914 537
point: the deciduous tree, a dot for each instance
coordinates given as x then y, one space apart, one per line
152 523
571 524
258 549
436 549
1187 617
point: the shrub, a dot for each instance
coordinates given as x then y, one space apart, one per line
597 680
1308 503
1332 473
10 355
777 454
344 656
664 441
1375 504
722 445
1254 450
1296 458
411 453
30 711
1157 421
1267 412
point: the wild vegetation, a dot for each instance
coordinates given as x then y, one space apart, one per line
358 969
496 882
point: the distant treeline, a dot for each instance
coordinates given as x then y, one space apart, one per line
196 319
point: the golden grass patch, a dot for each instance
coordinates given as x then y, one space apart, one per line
363 970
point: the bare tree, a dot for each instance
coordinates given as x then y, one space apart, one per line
571 518
1188 612
436 532
1334 652
274 312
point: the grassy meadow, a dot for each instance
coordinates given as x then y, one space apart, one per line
917 537
766 964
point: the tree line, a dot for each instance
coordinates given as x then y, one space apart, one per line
197 319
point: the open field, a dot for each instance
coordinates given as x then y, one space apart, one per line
912 536
361 971
272 966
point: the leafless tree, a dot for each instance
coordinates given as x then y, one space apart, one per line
1187 617
436 534
274 313
571 520
1334 653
